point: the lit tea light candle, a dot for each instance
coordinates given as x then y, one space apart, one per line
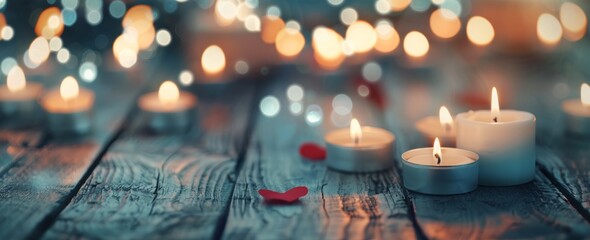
504 140
212 82
359 149
440 171
18 99
68 108
442 127
577 112
169 109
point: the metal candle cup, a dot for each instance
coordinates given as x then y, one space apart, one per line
168 116
68 116
20 107
457 173
373 152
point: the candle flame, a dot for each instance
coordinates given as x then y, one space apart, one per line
495 105
69 88
436 151
355 131
15 81
168 92
446 120
585 94
213 60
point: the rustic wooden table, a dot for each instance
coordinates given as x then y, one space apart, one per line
122 182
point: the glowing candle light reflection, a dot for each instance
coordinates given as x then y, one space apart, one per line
585 94
213 60
15 81
69 88
168 93
362 36
356 134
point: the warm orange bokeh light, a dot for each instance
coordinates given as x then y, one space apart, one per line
271 26
387 38
399 5
444 23
362 36
139 21
15 80
480 31
327 47
574 21
289 42
213 60
549 29
416 44
50 23
69 88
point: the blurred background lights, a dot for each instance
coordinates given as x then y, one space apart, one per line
69 16
480 31
55 44
69 4
399 5
372 71
295 92
63 55
241 67
270 106
348 16
574 21
335 2
342 104
382 7
213 60
94 17
7 64
7 33
444 23
363 90
273 12
289 42
549 29
295 108
186 77
420 5
163 37
387 37
117 9
314 115
39 50
416 44
88 71
362 36
270 28
252 23
453 8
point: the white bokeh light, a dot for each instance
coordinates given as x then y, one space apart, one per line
270 106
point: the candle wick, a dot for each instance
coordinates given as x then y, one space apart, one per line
438 158
495 119
356 140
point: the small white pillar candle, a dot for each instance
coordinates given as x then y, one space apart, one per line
440 171
442 127
359 149
168 110
68 108
577 113
18 99
504 140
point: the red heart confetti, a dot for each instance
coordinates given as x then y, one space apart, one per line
312 151
289 196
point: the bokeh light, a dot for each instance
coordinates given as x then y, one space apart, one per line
415 44
480 31
362 36
270 106
549 29
387 37
574 21
213 60
444 23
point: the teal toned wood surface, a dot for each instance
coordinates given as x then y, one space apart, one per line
174 186
339 205
38 185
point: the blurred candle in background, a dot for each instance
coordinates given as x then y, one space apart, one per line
577 112
441 126
18 99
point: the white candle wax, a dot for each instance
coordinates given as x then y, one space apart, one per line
371 151
506 148
577 113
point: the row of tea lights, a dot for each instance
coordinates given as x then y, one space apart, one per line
68 109
494 148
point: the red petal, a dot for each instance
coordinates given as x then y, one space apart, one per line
312 151
289 196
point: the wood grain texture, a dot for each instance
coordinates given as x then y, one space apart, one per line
338 205
162 186
532 210
35 188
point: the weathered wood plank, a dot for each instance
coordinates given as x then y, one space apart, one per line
532 210
170 186
37 186
338 205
